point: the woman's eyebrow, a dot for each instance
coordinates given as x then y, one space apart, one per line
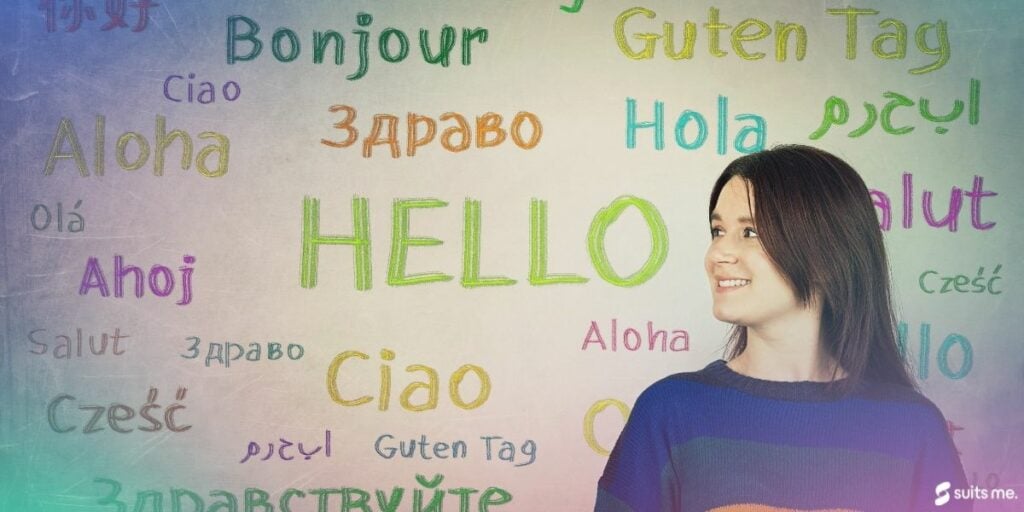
741 220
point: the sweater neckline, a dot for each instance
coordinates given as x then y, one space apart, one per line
805 390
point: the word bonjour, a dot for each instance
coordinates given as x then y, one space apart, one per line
757 128
94 278
65 348
753 29
423 448
336 498
66 134
489 131
401 241
222 352
42 222
430 385
204 94
959 283
392 43
837 112
117 413
680 341
952 218
254 449
924 358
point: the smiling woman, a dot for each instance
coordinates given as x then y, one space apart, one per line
794 419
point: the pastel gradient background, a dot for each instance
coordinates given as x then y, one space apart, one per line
244 229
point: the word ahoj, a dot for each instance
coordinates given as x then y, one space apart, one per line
254 449
756 128
117 413
225 353
401 241
837 112
161 279
392 44
427 495
680 341
489 132
65 348
929 280
924 357
204 94
42 218
430 385
952 218
66 135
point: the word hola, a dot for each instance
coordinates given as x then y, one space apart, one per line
429 385
421 130
429 496
225 353
206 93
65 348
680 341
42 222
401 241
748 30
929 280
757 128
392 44
66 135
117 413
94 278
952 218
837 112
898 38
924 357
254 449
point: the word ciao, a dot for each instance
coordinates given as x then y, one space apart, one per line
117 413
753 29
489 132
66 134
680 341
837 112
78 11
422 448
929 282
204 94
225 353
42 218
65 348
336 498
952 218
161 279
402 241
392 44
430 385
953 341
757 128
254 449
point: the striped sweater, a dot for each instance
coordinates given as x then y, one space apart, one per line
718 440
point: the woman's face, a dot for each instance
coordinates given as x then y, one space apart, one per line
746 287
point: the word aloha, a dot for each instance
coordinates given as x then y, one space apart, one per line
336 498
837 112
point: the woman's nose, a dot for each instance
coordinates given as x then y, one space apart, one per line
722 251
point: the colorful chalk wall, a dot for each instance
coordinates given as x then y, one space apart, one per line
414 255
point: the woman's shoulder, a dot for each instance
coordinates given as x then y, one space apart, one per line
680 389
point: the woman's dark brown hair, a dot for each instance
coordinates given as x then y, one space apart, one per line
816 221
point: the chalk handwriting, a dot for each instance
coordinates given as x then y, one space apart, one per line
691 128
225 353
494 448
42 218
76 12
161 279
633 341
952 218
576 6
931 282
204 94
66 348
954 343
284 449
117 413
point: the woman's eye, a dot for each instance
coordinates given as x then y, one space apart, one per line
716 232
750 233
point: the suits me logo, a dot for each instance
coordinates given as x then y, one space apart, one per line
942 493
